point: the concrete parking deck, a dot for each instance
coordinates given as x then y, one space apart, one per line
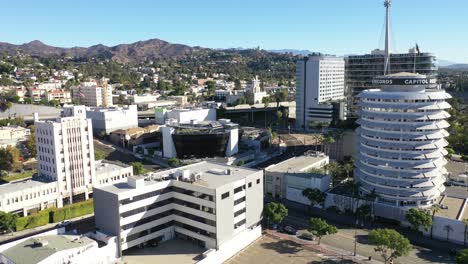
171 252
454 206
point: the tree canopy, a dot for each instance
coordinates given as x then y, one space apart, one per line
462 256
10 159
275 212
320 228
315 196
7 221
389 243
138 168
419 218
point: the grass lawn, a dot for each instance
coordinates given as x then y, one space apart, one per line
19 176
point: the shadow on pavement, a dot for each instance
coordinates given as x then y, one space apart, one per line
283 247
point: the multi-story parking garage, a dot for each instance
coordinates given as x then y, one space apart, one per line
401 140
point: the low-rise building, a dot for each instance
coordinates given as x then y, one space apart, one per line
184 116
32 195
62 96
207 203
93 94
287 179
130 137
108 120
62 248
11 135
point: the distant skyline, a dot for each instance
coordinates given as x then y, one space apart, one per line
333 26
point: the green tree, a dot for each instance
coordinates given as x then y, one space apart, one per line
336 172
28 100
54 103
99 154
173 162
315 196
4 104
348 168
462 256
320 228
419 218
7 222
275 212
10 159
138 168
210 87
364 212
30 144
389 243
237 85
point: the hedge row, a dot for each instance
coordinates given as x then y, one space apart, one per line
54 215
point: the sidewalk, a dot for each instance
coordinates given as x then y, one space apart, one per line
323 250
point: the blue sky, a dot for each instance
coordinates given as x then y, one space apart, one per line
329 26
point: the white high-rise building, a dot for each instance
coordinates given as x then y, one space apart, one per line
402 139
320 90
65 151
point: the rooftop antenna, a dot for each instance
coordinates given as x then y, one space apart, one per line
387 4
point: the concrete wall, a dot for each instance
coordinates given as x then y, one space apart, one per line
232 247
439 229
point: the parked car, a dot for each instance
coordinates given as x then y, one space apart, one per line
289 230
307 236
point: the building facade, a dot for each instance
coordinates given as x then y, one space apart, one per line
90 94
108 120
287 179
319 90
39 193
402 139
184 116
11 135
361 70
65 151
207 203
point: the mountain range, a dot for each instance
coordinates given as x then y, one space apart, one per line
143 50
123 53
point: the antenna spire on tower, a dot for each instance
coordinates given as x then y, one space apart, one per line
387 4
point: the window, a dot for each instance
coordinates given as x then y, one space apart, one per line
250 184
258 181
225 195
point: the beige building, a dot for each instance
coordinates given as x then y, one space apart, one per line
134 136
91 94
61 95
12 135
287 179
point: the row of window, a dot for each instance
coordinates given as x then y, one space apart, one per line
29 196
238 189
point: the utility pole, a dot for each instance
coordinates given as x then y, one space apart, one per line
387 5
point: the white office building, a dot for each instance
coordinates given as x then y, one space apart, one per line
216 206
402 139
39 193
92 94
320 90
108 120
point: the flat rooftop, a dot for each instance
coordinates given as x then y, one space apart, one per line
212 175
297 164
105 166
20 185
31 251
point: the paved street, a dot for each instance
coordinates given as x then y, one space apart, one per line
344 239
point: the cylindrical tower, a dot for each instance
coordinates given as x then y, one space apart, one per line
401 140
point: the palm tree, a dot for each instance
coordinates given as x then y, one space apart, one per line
448 229
348 167
465 222
317 140
372 196
434 209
